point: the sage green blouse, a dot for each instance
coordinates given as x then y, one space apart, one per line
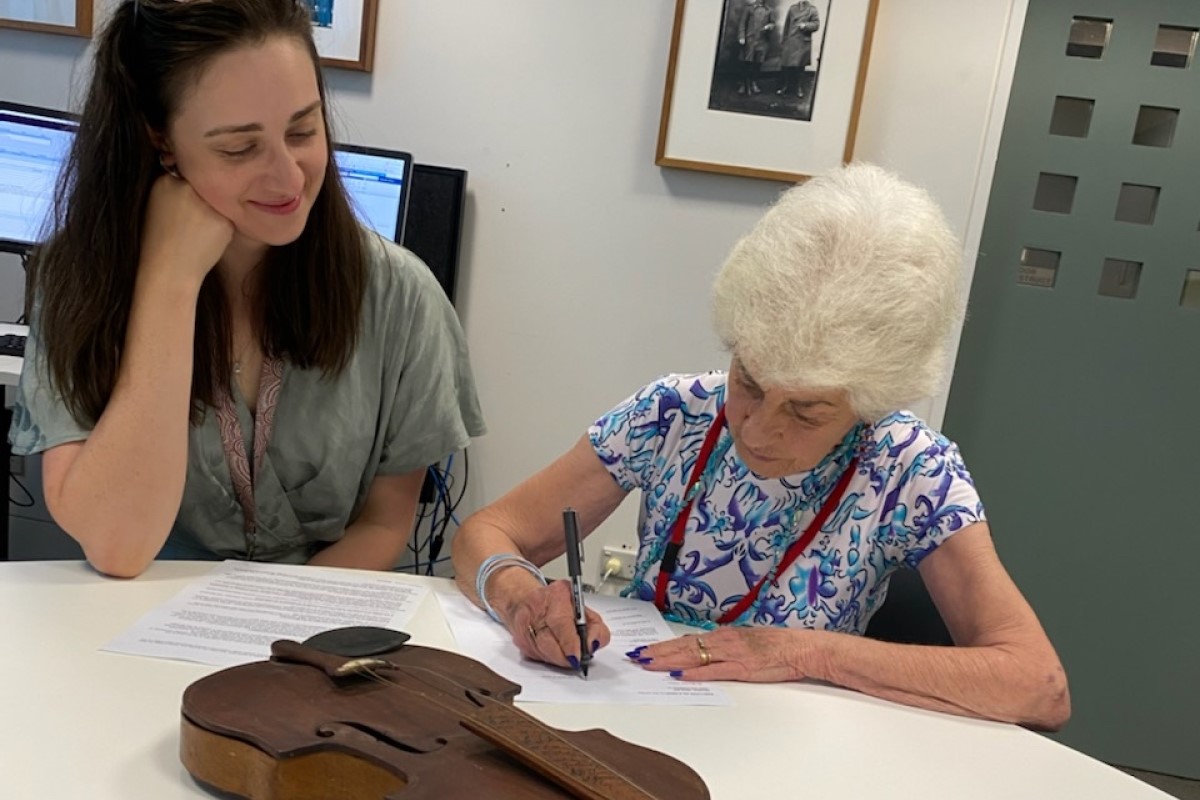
405 400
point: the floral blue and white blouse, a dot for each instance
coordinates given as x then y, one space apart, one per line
909 493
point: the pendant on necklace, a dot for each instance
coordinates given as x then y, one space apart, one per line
237 368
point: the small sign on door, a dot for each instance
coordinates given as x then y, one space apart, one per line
1038 267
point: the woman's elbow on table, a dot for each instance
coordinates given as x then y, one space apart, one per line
110 549
1028 686
117 559
1050 696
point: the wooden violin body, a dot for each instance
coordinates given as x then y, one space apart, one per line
412 723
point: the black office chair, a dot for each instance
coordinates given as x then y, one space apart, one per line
908 615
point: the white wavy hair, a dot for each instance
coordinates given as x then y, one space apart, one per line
851 281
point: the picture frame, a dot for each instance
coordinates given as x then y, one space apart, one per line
764 88
67 17
344 31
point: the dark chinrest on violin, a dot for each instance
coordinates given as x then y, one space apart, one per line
359 641
409 723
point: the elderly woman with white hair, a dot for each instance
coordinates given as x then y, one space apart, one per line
778 498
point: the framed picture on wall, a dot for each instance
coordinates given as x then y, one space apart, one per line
70 17
345 32
764 88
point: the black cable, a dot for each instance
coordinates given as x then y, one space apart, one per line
438 537
453 506
426 545
466 476
427 510
413 544
429 565
31 502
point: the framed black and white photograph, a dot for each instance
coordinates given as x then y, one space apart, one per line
764 88
69 17
345 32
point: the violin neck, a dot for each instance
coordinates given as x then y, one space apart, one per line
546 752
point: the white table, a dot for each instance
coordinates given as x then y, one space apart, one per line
79 723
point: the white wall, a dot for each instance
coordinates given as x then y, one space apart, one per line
586 267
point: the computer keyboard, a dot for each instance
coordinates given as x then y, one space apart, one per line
12 344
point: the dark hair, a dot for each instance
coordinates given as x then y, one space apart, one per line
81 282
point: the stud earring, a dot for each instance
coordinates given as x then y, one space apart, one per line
170 169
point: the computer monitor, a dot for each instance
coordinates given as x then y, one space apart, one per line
377 181
34 144
437 207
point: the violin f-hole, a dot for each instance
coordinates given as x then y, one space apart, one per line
331 730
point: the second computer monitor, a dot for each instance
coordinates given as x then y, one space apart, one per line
34 144
377 182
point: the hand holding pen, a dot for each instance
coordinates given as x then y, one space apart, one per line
549 621
575 570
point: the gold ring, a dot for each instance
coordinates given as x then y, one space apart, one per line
533 632
705 656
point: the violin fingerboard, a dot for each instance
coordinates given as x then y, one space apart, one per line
551 756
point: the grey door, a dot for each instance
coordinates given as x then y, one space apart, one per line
1076 396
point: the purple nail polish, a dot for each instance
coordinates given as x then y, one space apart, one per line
595 646
633 654
641 660
676 673
573 661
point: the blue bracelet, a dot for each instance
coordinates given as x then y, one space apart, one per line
494 564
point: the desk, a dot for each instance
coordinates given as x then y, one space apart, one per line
78 722
10 372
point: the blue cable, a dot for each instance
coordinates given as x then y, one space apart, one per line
444 492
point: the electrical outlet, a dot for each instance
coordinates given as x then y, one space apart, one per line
617 563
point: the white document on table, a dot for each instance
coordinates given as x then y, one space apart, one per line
232 615
612 678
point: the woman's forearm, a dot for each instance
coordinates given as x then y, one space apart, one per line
364 546
120 494
1000 682
527 522
472 545
376 539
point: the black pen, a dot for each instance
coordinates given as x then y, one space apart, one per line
575 569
